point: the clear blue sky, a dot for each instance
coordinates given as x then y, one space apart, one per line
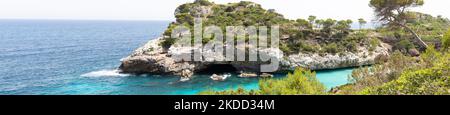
163 9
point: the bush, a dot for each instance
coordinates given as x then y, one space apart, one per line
428 76
404 45
285 49
352 46
430 81
376 75
305 48
350 43
203 2
184 18
332 48
431 77
374 43
167 42
301 82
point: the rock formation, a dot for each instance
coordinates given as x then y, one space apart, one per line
162 59
151 58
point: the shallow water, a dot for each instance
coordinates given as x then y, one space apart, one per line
79 57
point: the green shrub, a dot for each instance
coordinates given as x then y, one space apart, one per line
185 18
301 82
374 43
376 75
332 48
430 81
430 77
305 47
203 2
352 46
285 49
167 43
404 45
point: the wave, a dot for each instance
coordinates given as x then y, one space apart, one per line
105 73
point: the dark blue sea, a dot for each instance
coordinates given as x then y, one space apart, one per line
69 57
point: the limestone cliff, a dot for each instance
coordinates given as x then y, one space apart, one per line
331 44
151 58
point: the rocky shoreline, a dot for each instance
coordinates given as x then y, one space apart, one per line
152 58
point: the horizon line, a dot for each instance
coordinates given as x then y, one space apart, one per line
81 19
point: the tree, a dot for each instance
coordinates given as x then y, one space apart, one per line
362 22
312 19
203 2
319 23
303 24
344 25
343 28
327 24
395 13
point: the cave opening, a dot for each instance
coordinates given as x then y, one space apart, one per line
218 69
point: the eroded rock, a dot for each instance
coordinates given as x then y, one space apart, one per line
151 58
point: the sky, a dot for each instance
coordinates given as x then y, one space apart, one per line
164 9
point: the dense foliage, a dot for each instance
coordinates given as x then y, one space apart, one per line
429 28
427 75
431 76
396 13
310 35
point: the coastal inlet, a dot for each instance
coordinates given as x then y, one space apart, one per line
41 57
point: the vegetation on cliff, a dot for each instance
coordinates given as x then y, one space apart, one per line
427 75
429 28
396 13
310 35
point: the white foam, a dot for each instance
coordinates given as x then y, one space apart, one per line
105 73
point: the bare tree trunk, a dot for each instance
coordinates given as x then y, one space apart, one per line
422 43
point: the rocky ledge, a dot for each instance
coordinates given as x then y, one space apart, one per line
152 58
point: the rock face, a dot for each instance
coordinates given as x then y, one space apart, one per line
151 58
335 61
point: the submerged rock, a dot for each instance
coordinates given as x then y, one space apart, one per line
248 75
216 77
266 75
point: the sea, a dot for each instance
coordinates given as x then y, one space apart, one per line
81 57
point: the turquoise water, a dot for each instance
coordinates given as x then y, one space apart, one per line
57 57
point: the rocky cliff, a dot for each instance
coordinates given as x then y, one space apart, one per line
327 45
151 58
